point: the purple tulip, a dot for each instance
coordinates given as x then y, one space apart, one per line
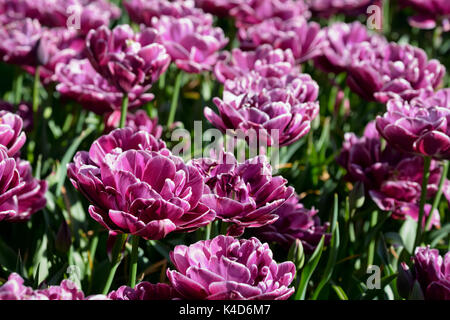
57 45
430 13
28 199
391 178
265 61
136 186
295 222
78 80
245 195
143 11
432 271
221 8
19 42
90 14
144 291
127 59
305 39
192 43
340 39
23 110
276 109
139 121
252 12
11 135
327 8
10 184
392 71
14 289
225 268
418 127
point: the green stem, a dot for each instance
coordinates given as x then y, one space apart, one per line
124 110
175 97
115 261
423 198
36 90
371 253
208 231
134 260
18 84
437 198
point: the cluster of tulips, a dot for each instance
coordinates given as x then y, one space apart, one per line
264 68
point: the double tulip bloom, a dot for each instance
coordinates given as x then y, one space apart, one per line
90 14
295 222
430 13
138 121
14 289
143 11
192 42
392 179
221 8
430 271
252 12
278 110
144 291
420 126
380 73
326 8
137 186
127 59
225 268
341 38
242 194
303 38
21 194
78 80
264 60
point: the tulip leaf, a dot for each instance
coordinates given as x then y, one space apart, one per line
340 292
371 294
62 172
308 271
408 234
334 250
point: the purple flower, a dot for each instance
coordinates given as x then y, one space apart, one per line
340 39
19 41
221 8
243 194
127 59
295 222
14 289
57 45
136 186
78 80
327 8
432 272
144 291
28 199
265 61
392 71
303 38
256 11
192 44
11 135
391 178
62 13
10 184
143 11
430 13
139 121
23 110
225 268
279 110
418 127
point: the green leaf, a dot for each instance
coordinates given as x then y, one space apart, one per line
334 250
68 156
408 234
370 294
340 292
308 271
8 258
